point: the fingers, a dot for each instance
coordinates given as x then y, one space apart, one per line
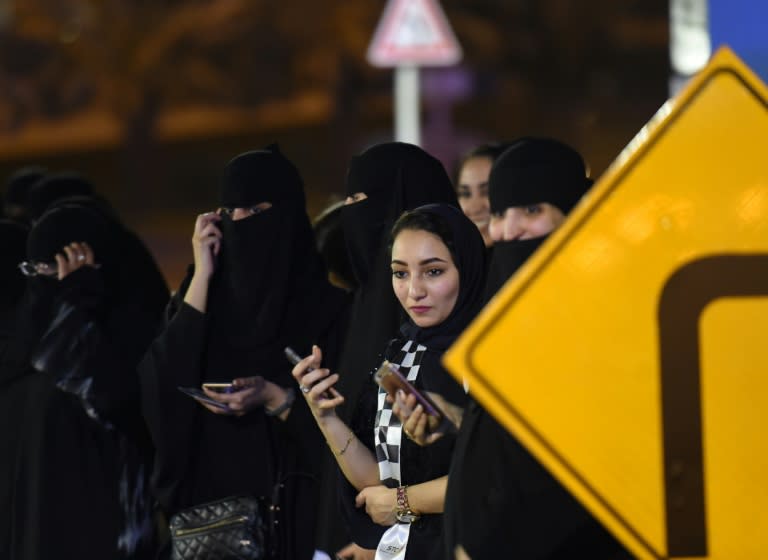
204 220
74 256
360 498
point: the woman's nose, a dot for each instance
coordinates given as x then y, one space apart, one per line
513 228
416 288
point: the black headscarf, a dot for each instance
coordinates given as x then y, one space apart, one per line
270 287
531 171
468 251
51 188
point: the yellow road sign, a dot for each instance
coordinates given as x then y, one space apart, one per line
630 354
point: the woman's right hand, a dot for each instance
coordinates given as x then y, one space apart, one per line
206 243
316 384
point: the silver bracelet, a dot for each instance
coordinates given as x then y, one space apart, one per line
288 403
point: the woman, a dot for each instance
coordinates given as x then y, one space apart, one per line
83 457
437 265
258 285
472 185
383 182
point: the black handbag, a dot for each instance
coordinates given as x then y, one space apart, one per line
232 528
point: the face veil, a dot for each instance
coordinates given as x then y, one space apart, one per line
267 290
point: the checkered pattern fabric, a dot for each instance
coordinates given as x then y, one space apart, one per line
387 429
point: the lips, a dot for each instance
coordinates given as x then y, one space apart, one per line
420 309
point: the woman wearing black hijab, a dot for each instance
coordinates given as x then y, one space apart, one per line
438 271
81 465
383 182
258 286
500 501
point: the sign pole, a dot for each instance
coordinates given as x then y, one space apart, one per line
407 114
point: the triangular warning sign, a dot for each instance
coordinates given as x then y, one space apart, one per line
414 32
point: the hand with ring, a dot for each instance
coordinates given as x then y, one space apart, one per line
74 256
316 384
418 426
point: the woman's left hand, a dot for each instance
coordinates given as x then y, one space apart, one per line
380 503
72 257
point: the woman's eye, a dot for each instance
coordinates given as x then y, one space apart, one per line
533 209
463 193
434 272
225 211
399 274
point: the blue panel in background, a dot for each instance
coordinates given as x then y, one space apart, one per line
743 26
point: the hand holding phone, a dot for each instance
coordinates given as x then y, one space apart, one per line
390 379
331 394
198 395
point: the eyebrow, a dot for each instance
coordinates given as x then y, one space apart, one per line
421 263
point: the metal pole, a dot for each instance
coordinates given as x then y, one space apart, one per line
407 116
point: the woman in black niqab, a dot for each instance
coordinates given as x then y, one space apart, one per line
268 290
500 499
83 455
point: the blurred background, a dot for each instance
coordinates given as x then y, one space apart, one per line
150 98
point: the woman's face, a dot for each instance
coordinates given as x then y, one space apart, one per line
526 222
424 277
472 192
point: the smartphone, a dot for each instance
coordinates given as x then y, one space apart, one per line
294 358
292 355
390 379
221 387
197 394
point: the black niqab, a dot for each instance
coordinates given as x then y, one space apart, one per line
270 287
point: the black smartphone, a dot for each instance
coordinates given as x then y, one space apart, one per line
197 394
390 379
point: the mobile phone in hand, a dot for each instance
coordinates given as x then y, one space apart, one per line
294 358
197 394
221 387
390 379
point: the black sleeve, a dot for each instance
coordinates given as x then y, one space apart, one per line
92 348
174 359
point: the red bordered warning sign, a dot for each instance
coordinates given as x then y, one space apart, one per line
414 32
